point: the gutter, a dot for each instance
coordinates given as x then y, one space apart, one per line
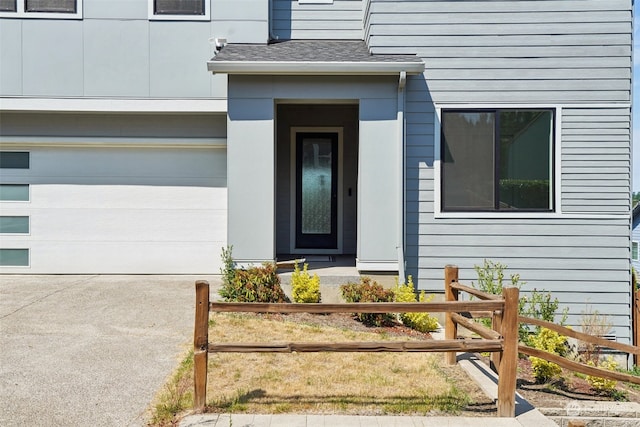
314 68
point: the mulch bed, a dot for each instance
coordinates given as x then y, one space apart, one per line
569 387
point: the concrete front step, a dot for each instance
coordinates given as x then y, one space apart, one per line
596 414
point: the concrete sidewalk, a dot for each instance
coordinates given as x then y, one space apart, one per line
90 350
226 420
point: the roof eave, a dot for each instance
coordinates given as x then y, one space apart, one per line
314 68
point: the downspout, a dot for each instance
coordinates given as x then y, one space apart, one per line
271 37
402 81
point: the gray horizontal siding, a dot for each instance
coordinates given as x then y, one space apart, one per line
510 51
340 20
572 258
596 141
553 53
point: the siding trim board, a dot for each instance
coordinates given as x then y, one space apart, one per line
109 142
110 105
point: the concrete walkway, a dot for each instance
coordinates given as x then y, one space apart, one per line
226 420
89 350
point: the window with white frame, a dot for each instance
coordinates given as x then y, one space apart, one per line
497 160
634 251
57 9
176 10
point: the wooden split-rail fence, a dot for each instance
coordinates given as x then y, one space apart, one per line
501 340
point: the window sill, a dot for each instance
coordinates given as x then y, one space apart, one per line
41 15
526 215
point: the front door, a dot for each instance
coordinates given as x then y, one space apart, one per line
316 195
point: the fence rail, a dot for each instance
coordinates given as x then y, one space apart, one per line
494 343
501 340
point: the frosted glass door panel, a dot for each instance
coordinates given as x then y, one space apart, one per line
316 190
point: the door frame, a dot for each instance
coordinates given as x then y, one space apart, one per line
292 211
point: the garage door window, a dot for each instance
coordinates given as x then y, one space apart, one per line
14 225
14 160
14 257
14 192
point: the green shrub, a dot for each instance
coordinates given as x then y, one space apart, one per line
538 304
228 270
422 322
304 288
552 342
490 280
491 276
255 284
368 291
603 385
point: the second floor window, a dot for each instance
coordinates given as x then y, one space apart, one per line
179 10
40 8
179 7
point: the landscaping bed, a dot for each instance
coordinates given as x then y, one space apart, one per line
568 388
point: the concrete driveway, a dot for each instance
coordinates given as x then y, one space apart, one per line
90 350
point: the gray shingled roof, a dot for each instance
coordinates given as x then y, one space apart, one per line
308 51
309 57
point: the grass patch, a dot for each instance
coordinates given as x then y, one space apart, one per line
176 397
343 383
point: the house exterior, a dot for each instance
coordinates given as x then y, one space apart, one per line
141 136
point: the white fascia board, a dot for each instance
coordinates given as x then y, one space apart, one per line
101 105
317 68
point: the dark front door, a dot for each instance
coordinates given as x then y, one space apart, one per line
317 190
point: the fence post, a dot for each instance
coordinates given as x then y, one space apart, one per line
496 325
509 361
450 327
200 345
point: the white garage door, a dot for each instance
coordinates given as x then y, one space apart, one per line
114 211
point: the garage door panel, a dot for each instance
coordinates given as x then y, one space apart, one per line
131 258
121 211
119 197
128 225
163 166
